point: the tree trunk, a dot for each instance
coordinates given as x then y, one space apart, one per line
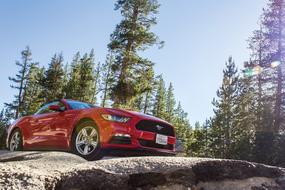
123 97
278 101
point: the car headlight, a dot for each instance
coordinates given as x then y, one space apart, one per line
116 118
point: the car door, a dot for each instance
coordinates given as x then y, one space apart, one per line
60 128
42 127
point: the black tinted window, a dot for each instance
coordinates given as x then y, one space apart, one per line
75 105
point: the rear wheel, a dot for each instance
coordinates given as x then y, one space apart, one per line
16 141
86 141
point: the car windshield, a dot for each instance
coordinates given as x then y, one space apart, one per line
76 105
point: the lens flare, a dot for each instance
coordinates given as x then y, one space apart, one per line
275 64
256 70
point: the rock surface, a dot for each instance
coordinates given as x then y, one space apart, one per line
60 171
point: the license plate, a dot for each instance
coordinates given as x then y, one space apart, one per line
161 139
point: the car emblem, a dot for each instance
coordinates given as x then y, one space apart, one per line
159 127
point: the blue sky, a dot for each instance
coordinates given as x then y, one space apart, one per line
199 36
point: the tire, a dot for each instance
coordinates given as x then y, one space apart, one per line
16 140
86 141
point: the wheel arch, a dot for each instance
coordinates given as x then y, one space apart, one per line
82 120
10 133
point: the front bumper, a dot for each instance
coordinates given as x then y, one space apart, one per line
127 140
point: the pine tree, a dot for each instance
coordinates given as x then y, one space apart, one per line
137 103
273 21
86 79
97 84
2 123
258 45
33 99
217 136
159 109
148 95
224 109
107 79
145 84
263 148
206 131
244 124
53 81
267 51
83 78
170 103
20 81
147 100
131 35
65 79
5 117
182 128
198 145
3 127
72 84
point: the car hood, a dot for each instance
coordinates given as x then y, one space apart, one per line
129 113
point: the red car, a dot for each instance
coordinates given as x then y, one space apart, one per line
91 131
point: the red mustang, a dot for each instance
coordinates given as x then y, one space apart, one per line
91 131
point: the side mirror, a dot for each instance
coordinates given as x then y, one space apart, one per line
55 108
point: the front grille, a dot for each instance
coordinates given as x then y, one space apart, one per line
155 127
152 144
120 140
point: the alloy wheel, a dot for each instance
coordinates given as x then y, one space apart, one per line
15 141
86 140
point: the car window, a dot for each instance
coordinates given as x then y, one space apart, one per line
75 105
45 109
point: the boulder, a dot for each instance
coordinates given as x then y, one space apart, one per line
62 171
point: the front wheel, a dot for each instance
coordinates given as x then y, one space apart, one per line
86 141
15 141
